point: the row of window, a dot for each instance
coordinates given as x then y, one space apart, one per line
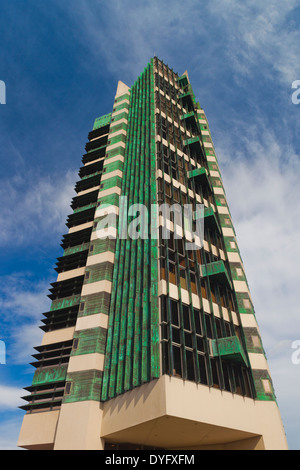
165 86
185 336
177 168
181 266
193 320
198 367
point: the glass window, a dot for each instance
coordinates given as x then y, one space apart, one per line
208 326
198 324
174 313
186 317
176 335
202 368
190 365
177 370
215 373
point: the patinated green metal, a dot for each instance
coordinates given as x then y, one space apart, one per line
229 348
49 375
132 351
218 270
85 385
102 121
91 340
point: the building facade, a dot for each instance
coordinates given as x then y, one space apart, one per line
151 341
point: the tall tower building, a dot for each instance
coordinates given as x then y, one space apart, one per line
151 341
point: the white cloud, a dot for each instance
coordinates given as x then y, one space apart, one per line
34 208
286 377
261 178
126 34
260 31
23 341
10 397
21 296
23 299
262 189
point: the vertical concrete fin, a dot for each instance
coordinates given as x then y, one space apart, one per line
121 88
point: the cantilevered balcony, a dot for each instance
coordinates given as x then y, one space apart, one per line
97 143
82 217
44 397
228 348
210 219
188 116
217 270
200 176
94 155
88 183
76 238
84 200
190 122
98 132
72 261
91 169
187 97
182 81
61 318
66 288
194 143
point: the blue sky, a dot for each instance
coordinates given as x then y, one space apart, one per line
61 62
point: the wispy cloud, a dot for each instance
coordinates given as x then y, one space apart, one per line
22 296
261 33
261 183
126 34
22 343
10 397
34 207
23 299
261 176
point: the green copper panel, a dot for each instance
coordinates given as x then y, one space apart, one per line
76 249
210 218
91 340
102 121
132 350
229 348
201 175
183 81
84 208
121 106
122 97
218 270
49 375
65 302
259 375
93 304
85 385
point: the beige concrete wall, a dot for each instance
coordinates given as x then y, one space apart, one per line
56 336
172 413
38 430
79 426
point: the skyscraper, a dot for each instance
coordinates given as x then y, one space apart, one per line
151 340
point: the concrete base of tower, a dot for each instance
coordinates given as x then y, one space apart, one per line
38 430
170 413
76 426
167 413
